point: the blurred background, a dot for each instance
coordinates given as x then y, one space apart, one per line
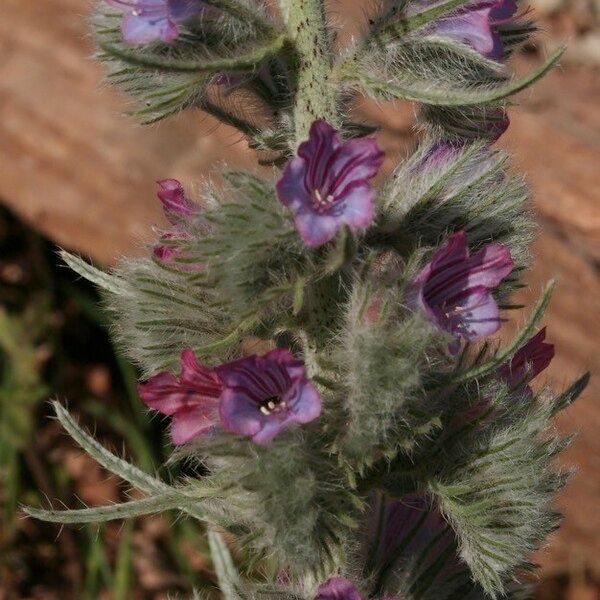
76 173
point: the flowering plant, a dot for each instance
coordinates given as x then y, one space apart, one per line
380 446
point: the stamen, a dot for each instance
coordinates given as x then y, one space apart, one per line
321 204
272 405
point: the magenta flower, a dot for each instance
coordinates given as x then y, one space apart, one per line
528 362
477 24
177 208
326 185
175 203
453 290
192 399
263 395
146 21
339 588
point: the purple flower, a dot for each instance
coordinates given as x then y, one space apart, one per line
263 395
146 21
528 362
476 24
192 399
453 290
338 588
326 185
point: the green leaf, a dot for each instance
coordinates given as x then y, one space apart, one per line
227 574
246 61
118 466
114 464
110 283
569 396
423 91
125 510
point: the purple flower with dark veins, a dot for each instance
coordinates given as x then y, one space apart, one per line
192 399
339 588
326 184
263 395
146 21
528 362
477 24
453 290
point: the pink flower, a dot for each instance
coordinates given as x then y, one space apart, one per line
192 399
178 209
326 185
453 290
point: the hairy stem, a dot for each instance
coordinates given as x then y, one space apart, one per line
315 95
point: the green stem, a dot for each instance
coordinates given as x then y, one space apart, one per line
315 94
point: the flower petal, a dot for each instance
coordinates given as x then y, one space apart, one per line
175 203
144 30
239 413
307 406
188 424
315 229
338 588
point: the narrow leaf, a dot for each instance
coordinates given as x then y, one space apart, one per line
100 514
246 61
114 464
570 395
223 563
420 91
107 282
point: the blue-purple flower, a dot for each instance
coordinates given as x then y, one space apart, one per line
339 588
192 399
146 21
476 24
263 395
454 289
327 184
528 362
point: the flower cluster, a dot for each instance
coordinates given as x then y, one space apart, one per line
256 396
